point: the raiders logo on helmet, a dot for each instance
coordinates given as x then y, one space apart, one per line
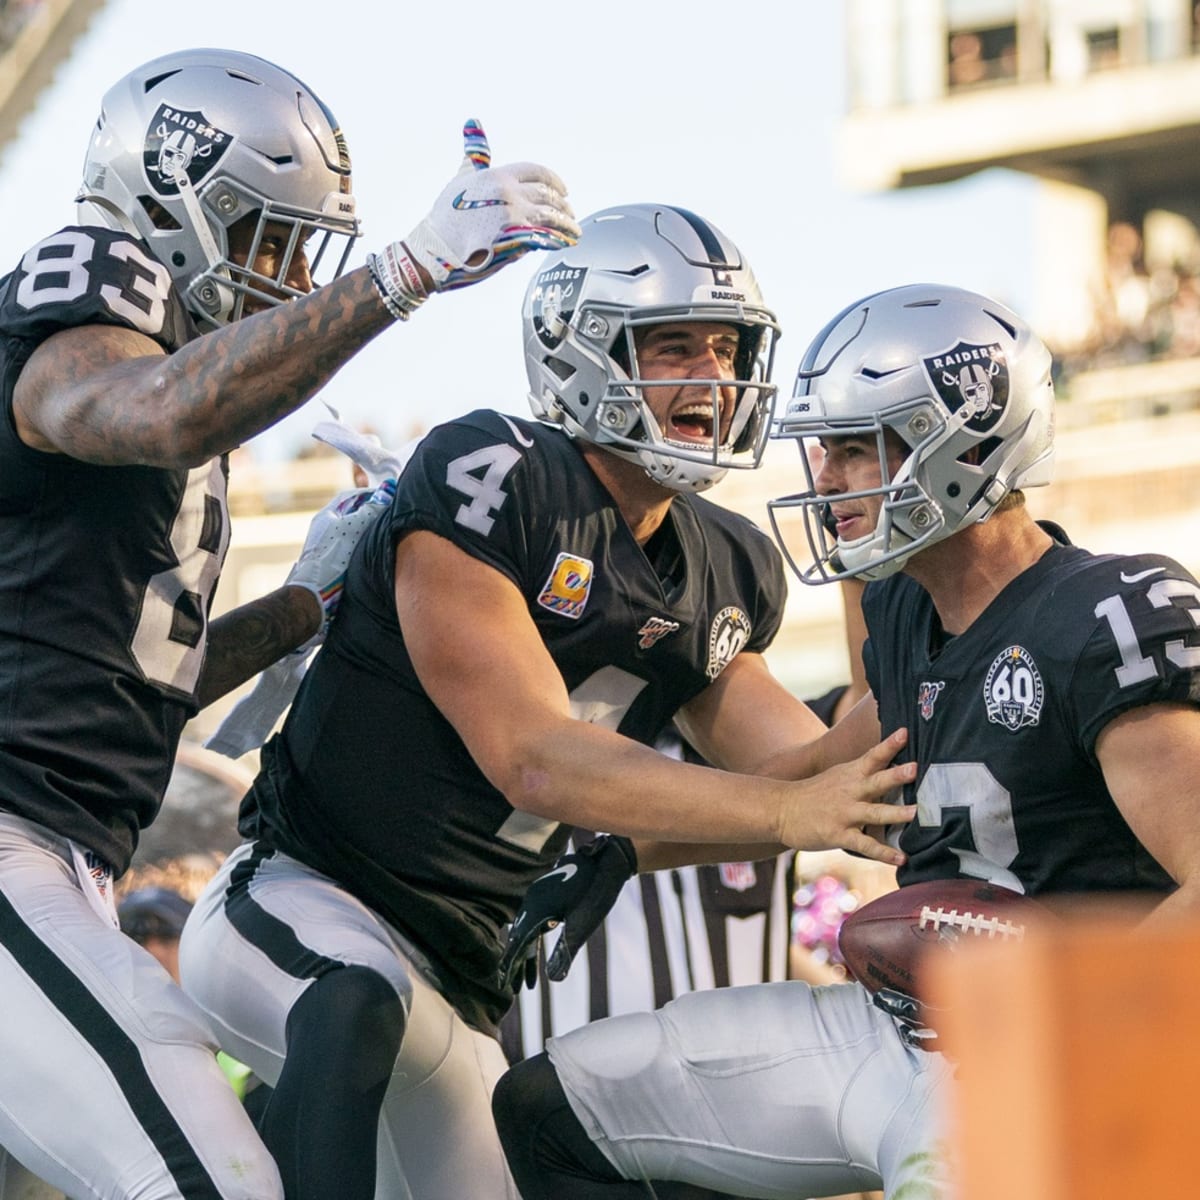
554 295
181 142
975 376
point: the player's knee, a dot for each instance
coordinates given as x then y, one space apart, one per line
542 1138
352 1020
525 1094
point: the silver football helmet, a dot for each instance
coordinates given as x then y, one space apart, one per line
965 386
635 266
192 143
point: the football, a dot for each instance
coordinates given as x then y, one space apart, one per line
884 942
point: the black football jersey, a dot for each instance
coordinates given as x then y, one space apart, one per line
370 784
107 572
1003 719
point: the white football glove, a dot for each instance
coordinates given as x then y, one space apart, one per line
485 218
332 536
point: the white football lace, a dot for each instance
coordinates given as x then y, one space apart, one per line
969 922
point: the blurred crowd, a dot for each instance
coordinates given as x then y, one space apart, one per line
1142 312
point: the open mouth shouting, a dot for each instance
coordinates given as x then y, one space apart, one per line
692 423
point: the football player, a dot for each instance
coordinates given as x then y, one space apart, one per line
540 601
1035 680
136 349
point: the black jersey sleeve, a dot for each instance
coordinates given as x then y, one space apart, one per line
92 276
469 482
879 598
1144 644
772 592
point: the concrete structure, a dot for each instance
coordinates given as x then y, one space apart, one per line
1098 99
35 37
1103 94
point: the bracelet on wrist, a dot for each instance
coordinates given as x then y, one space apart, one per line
397 281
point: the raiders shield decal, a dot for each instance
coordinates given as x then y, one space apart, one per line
179 142
552 302
975 377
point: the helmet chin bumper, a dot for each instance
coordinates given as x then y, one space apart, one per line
677 474
867 559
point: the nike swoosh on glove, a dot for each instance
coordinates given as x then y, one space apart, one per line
577 894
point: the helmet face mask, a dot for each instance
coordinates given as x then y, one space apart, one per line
195 143
637 267
957 384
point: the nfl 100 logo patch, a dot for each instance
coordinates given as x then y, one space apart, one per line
653 629
567 589
1013 690
927 694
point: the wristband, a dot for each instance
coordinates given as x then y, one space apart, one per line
397 281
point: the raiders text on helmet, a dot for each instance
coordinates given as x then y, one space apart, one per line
634 266
192 143
964 384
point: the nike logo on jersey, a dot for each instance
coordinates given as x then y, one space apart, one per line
1141 575
517 434
568 871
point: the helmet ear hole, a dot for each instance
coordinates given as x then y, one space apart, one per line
159 217
972 456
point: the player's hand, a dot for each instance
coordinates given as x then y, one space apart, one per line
332 536
911 1015
485 218
832 811
577 894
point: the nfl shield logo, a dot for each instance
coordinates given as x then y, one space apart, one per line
738 877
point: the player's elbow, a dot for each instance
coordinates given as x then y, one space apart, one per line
527 773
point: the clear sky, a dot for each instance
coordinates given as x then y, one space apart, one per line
730 110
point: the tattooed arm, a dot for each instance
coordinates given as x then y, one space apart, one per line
248 639
110 395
